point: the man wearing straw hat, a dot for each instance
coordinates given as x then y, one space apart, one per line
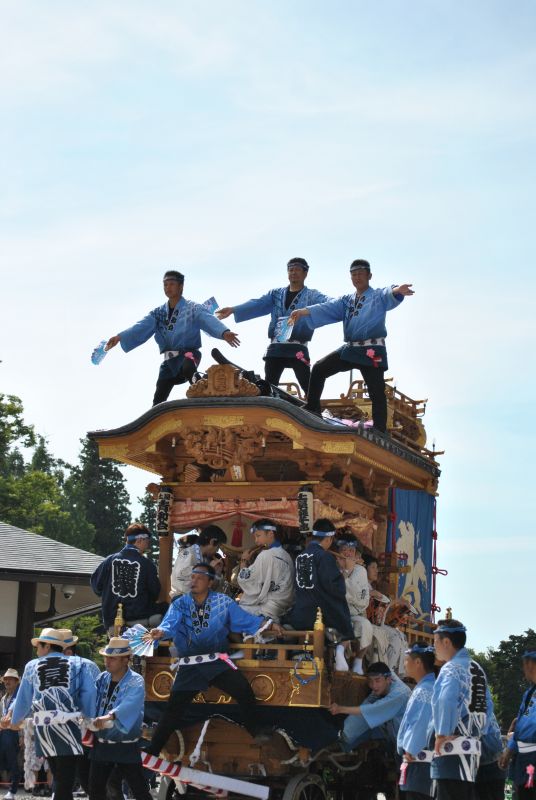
55 689
9 740
119 709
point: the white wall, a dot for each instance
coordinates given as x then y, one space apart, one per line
9 596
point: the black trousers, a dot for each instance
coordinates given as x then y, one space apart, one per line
165 385
231 682
273 369
526 794
414 796
374 378
63 769
447 789
133 774
490 790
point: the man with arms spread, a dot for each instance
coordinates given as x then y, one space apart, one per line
522 746
412 739
363 316
380 714
119 701
319 584
9 740
54 683
128 577
279 303
460 706
199 624
176 327
267 584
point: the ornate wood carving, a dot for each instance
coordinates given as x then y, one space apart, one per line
222 447
223 380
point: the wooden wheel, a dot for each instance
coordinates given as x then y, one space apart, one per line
305 786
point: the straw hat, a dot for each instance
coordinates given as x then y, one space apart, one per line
68 639
50 636
116 647
10 673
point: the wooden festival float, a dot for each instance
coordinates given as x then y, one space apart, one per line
227 455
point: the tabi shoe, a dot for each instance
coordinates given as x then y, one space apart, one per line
9 796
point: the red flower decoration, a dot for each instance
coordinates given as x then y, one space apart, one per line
372 355
300 356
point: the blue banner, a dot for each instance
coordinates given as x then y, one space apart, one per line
411 533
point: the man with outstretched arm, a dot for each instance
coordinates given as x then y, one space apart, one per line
199 624
176 327
283 352
380 714
363 316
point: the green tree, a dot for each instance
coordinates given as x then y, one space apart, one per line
98 486
14 433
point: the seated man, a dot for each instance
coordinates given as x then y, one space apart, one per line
357 595
128 577
279 303
380 714
201 551
199 624
363 316
376 612
397 616
267 584
176 327
319 584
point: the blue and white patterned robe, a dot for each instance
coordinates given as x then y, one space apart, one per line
524 731
362 318
460 704
491 743
120 744
56 683
273 303
413 735
380 717
200 630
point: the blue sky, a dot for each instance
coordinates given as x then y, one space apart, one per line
225 137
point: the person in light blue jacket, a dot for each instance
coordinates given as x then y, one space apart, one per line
522 746
412 739
118 718
363 316
288 347
176 327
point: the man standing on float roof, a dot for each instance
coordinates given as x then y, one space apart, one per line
176 327
363 316
279 303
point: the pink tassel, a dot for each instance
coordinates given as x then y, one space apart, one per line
300 356
403 769
530 780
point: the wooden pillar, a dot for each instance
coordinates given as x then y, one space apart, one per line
25 622
164 565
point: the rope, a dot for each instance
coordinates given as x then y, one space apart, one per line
299 660
435 569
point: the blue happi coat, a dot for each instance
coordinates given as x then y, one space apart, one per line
120 743
273 303
461 703
413 735
56 682
524 731
491 743
363 318
129 578
203 629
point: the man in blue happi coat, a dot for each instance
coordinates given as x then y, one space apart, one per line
285 349
491 777
199 624
363 316
9 740
461 705
118 719
320 584
176 327
380 714
522 746
128 577
412 739
56 690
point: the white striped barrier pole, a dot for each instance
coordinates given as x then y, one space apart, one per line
204 780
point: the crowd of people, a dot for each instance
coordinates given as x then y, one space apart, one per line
85 725
295 312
